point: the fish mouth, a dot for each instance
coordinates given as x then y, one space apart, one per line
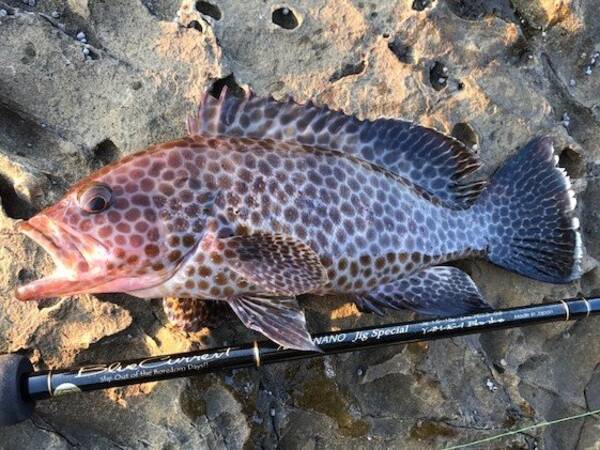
80 260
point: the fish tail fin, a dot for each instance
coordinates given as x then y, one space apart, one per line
526 212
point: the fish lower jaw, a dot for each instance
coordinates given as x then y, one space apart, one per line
63 282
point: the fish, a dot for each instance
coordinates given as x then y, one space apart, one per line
263 200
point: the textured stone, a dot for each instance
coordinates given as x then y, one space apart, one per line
513 69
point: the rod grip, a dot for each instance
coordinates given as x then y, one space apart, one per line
15 407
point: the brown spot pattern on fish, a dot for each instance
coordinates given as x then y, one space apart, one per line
299 215
190 314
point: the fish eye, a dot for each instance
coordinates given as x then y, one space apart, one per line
95 198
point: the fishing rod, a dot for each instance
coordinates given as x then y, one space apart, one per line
21 386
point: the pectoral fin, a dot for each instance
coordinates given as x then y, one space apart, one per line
278 318
277 263
438 291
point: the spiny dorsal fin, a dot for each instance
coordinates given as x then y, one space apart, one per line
430 159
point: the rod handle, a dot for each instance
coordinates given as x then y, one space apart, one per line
15 407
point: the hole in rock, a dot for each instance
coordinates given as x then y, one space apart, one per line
195 25
25 276
572 162
420 5
347 70
29 54
479 9
105 152
438 76
14 206
464 133
499 368
519 52
208 9
402 51
47 303
231 84
91 54
285 18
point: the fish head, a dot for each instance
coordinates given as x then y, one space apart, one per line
125 228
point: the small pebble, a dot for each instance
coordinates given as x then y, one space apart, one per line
444 69
55 14
29 2
329 370
442 80
572 82
588 70
359 372
272 412
80 36
491 386
544 34
3 13
503 362
86 51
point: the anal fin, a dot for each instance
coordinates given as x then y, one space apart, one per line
278 318
438 291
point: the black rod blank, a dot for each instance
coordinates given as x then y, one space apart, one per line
45 384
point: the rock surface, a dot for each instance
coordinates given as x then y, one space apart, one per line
493 73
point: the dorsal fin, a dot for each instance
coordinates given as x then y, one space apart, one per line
430 159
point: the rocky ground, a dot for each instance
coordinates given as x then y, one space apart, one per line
83 82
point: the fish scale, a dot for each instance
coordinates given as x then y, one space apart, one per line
356 222
264 201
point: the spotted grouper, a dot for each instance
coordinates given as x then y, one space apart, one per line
263 201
